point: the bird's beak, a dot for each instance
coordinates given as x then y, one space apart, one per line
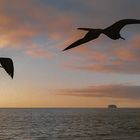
122 38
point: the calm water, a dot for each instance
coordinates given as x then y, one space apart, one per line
69 124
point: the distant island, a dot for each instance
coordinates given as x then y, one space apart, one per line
112 106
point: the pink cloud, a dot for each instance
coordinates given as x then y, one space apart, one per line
36 51
28 21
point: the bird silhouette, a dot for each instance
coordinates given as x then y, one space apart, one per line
8 66
112 32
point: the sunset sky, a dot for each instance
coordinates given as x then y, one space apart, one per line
34 32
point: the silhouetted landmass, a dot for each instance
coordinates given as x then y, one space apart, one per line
112 106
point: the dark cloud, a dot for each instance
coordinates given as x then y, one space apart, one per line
109 91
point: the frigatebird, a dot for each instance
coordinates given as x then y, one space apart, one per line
112 32
8 66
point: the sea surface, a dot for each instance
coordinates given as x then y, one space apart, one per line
69 124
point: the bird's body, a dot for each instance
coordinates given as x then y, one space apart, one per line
8 66
112 32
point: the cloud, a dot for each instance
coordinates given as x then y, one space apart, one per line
36 51
27 23
24 23
106 91
121 57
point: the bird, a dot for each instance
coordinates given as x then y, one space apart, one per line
7 65
112 32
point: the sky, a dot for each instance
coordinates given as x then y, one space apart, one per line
101 72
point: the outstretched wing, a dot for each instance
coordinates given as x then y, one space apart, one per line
116 27
77 43
7 64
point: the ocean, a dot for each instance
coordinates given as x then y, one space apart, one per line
69 124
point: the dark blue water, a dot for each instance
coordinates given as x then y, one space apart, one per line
69 124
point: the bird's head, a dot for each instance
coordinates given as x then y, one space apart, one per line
122 37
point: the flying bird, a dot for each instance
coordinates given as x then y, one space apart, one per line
112 32
8 66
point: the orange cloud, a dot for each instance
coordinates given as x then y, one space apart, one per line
125 54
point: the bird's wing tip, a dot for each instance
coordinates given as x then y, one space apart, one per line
64 49
12 75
